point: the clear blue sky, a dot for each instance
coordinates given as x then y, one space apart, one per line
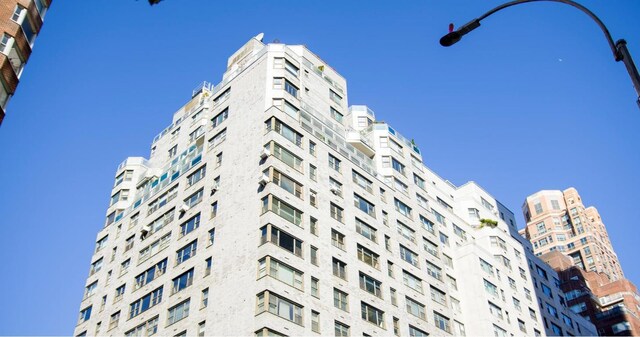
531 100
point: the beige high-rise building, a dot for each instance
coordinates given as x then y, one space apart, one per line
270 207
558 220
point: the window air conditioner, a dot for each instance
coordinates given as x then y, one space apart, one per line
265 153
215 188
264 179
334 190
184 208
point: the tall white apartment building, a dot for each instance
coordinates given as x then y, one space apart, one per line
269 207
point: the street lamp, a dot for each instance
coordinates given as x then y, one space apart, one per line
619 49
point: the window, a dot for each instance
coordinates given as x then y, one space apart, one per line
439 217
212 236
205 298
315 321
372 314
422 201
313 226
390 269
283 129
398 166
290 88
221 117
370 285
162 199
499 332
337 212
361 181
119 293
460 232
406 232
334 163
336 187
151 274
415 332
313 173
556 329
186 252
337 239
281 239
312 148
121 195
474 213
315 287
402 208
364 205
365 230
341 329
495 310
96 266
113 321
314 255
286 157
419 181
90 289
438 296
340 299
147 328
335 97
512 283
196 175
490 288
434 271
392 294
183 281
189 225
538 207
173 151
284 210
441 322
516 304
412 281
145 302
415 308
218 159
313 198
430 247
409 256
287 183
339 269
101 243
280 271
124 176
546 290
178 312
506 262
129 243
400 186
196 133
335 114
428 225
214 209
218 138
552 310
85 314
367 256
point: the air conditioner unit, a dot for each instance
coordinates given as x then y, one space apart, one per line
334 190
184 208
265 153
215 188
264 179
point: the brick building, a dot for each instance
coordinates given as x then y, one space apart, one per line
20 24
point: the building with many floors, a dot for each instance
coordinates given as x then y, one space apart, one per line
574 241
20 24
270 207
558 220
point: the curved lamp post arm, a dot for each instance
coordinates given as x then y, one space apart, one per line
619 48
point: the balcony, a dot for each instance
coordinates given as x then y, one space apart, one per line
360 142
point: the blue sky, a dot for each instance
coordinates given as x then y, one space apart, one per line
531 100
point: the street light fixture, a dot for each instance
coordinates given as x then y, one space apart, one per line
619 49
